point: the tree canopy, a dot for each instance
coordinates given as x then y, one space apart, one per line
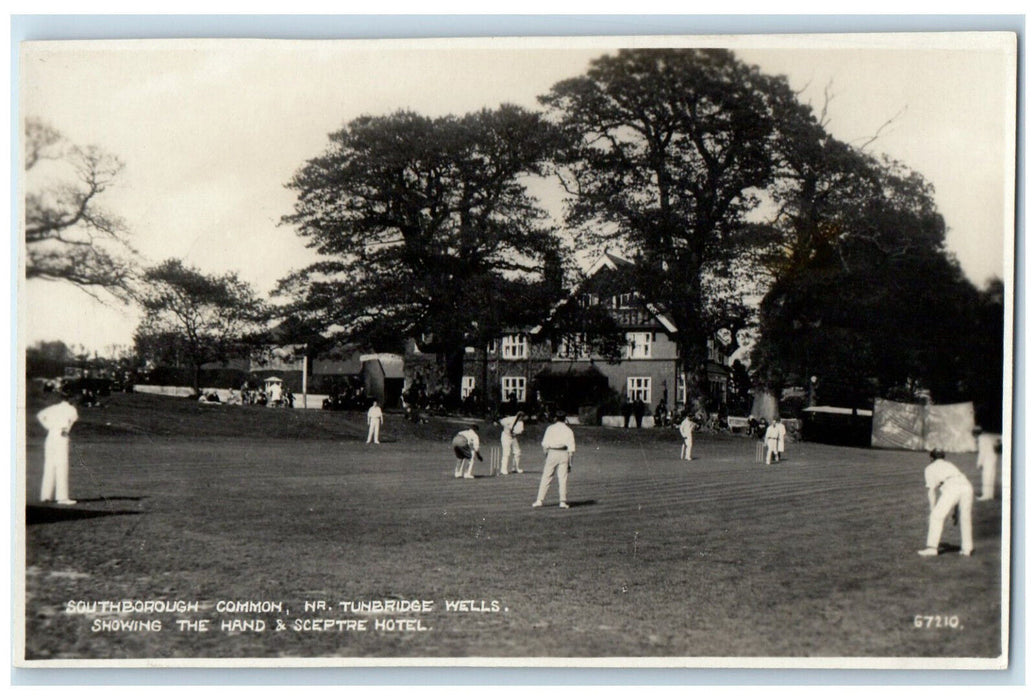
193 317
665 152
69 235
865 295
425 228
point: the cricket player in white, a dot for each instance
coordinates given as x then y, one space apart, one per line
513 426
58 420
465 447
954 491
772 438
559 444
687 427
374 419
782 431
988 446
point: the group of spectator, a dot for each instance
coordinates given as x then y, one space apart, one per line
248 396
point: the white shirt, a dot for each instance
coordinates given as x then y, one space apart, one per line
512 426
987 443
374 413
772 433
472 437
58 418
559 436
687 427
940 471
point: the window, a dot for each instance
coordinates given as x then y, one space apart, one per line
622 301
573 346
467 385
638 346
515 347
681 389
639 388
714 352
491 347
513 385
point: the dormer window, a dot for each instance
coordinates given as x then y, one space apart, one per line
515 347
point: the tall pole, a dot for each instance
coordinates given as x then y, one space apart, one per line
305 374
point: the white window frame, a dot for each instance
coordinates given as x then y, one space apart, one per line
638 345
515 384
573 346
491 347
514 347
639 387
467 385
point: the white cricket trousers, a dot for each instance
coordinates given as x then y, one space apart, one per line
509 446
954 492
771 450
55 467
988 467
557 461
374 431
685 451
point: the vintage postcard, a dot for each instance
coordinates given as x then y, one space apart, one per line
676 351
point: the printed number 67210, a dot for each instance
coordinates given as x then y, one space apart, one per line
936 621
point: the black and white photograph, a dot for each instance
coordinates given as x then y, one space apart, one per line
624 351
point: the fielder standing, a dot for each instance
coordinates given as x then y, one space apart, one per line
772 438
989 444
465 447
782 431
954 491
374 420
513 426
559 444
58 420
687 427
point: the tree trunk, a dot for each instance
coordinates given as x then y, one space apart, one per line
453 368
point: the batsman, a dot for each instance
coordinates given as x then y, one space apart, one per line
513 426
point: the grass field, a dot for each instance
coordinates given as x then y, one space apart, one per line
657 557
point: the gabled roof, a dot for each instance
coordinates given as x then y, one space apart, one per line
610 262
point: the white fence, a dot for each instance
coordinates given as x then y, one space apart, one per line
312 400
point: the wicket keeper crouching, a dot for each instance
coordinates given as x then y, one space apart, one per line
559 444
465 447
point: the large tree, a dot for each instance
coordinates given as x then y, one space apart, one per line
69 235
425 228
196 317
666 150
865 295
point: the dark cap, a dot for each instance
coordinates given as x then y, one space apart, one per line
560 416
474 427
937 454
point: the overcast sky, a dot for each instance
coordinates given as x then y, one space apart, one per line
211 131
